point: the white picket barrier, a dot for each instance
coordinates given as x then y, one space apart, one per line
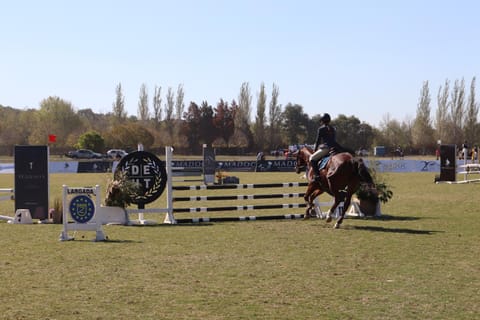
10 196
468 169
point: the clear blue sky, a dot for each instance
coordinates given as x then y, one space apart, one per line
363 58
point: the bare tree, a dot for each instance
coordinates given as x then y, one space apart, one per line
422 131
242 132
259 127
457 105
442 119
274 117
471 116
169 104
179 103
119 105
157 105
169 123
143 110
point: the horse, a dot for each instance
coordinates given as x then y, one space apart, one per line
341 177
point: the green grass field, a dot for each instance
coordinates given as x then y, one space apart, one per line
419 261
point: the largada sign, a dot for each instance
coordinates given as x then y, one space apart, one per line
147 170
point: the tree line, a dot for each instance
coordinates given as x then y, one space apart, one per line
229 126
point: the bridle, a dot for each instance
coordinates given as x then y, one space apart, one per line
300 167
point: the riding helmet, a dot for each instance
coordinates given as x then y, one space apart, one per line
325 118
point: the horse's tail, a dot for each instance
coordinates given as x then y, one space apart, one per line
362 171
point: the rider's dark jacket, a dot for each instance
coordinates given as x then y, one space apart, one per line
326 137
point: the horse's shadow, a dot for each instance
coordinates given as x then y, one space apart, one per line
394 230
386 217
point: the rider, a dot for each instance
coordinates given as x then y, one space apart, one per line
324 142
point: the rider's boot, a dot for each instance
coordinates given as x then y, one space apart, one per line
316 170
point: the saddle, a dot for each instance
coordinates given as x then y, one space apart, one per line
323 162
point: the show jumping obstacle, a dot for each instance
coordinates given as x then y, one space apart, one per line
180 196
468 169
22 216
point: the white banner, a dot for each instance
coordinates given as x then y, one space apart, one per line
404 165
53 167
378 165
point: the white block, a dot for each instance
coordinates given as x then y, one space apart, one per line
22 216
111 215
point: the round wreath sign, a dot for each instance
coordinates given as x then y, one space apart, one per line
146 169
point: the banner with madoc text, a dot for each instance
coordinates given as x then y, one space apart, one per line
239 166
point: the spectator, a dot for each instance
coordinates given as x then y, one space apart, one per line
465 150
260 161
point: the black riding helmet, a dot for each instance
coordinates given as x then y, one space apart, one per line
325 118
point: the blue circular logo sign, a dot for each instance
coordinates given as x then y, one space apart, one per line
82 209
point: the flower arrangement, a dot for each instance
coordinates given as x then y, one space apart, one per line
121 191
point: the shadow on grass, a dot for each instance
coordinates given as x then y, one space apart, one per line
168 225
387 217
90 240
394 230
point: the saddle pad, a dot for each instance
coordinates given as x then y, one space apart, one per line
323 163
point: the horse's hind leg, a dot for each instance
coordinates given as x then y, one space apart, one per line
339 197
332 210
346 203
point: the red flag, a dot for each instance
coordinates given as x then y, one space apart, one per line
52 138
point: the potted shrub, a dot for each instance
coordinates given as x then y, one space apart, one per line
369 195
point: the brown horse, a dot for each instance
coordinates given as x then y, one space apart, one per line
340 178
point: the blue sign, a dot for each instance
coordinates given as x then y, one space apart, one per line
82 209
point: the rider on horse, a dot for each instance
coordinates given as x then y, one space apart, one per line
323 144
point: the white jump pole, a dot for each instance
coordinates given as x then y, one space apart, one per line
169 218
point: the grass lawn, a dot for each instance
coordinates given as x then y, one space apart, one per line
419 261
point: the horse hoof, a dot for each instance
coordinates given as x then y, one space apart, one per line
306 217
329 219
336 226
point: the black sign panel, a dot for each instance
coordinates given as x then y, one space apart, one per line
149 171
209 163
448 162
31 180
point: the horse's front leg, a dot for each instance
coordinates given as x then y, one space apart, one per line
309 197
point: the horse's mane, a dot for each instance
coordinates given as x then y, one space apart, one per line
307 151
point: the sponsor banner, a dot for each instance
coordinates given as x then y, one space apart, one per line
7 168
94 166
63 167
239 166
404 165
265 166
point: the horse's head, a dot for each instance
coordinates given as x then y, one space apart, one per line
303 159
